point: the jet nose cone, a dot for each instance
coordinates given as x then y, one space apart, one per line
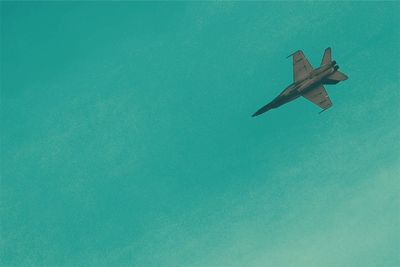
262 110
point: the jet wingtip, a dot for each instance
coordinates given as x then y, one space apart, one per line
293 53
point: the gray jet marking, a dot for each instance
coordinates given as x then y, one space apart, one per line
308 82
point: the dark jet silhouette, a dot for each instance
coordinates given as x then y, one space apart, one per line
308 82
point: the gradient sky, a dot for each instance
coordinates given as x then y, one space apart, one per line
127 137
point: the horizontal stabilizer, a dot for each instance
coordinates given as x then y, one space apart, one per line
337 76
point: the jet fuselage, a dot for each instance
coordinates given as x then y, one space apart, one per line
308 82
298 88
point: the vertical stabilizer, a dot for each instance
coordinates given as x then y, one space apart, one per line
327 56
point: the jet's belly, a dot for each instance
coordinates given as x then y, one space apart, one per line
313 80
288 95
307 84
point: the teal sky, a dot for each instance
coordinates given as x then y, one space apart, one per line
127 137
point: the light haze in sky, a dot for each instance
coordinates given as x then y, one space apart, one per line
127 137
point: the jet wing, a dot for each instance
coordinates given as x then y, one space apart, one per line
319 97
301 66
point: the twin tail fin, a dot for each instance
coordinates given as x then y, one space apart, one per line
335 77
327 58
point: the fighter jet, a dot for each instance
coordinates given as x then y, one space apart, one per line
308 82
